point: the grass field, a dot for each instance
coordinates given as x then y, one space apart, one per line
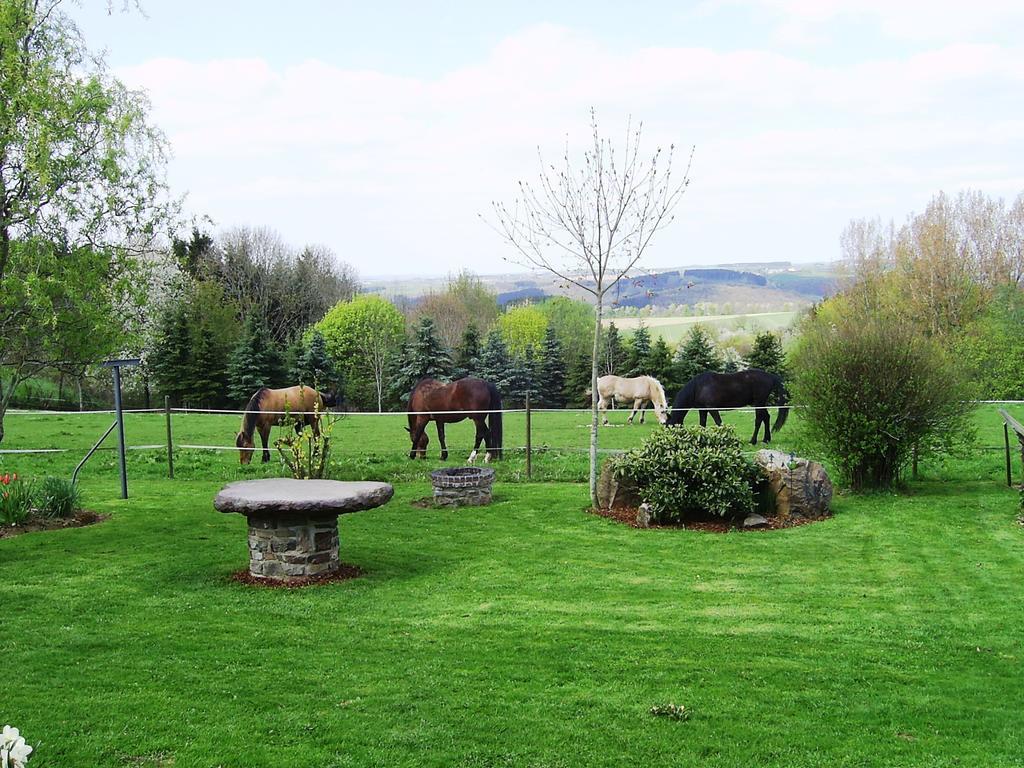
674 329
526 633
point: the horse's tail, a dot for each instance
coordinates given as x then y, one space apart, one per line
252 412
494 443
782 397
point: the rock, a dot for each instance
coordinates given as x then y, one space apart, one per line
799 487
643 516
616 492
754 521
286 496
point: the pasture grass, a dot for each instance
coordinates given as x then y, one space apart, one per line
526 633
675 329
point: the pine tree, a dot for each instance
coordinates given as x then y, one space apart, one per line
205 384
467 356
495 362
171 358
254 362
315 368
767 354
521 379
696 355
659 364
425 356
551 372
638 359
577 381
613 359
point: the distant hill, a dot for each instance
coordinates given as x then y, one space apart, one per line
521 294
726 276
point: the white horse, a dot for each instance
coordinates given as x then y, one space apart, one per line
639 390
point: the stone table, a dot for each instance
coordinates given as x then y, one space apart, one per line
293 524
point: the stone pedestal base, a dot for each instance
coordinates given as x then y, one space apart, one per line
462 486
287 548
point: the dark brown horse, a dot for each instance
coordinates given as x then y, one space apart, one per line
268 407
710 391
469 398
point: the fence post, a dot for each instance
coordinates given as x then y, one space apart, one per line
170 444
529 457
1006 438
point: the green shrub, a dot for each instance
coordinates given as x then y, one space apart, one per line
15 499
874 385
57 497
682 470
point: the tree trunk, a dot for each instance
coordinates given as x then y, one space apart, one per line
594 397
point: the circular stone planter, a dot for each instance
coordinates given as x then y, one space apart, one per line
293 524
462 486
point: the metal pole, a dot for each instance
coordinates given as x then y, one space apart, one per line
120 431
529 458
1006 438
170 444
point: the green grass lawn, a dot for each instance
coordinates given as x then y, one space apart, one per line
526 633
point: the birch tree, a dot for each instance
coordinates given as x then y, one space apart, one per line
588 222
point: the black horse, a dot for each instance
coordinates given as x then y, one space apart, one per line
712 391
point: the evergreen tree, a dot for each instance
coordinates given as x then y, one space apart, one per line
659 365
551 372
696 355
577 381
495 362
767 354
613 359
254 362
315 368
521 377
467 356
171 358
425 356
638 359
205 383
732 361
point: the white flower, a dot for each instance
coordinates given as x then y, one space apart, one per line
9 736
19 753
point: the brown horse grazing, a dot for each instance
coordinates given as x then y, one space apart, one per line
468 398
267 408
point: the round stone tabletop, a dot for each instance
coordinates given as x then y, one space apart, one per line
287 496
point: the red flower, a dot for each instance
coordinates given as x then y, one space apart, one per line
5 479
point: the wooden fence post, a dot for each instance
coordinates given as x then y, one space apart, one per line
1009 472
170 443
529 451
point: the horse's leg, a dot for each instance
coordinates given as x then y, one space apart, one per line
703 418
717 417
602 406
643 410
758 419
440 437
767 425
415 434
636 404
265 438
481 436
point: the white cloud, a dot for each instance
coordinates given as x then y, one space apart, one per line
392 171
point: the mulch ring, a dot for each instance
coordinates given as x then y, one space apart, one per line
35 523
344 573
708 523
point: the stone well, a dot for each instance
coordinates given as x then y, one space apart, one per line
293 524
462 486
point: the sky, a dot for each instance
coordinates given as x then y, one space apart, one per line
385 130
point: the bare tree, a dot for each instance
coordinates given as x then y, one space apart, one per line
590 223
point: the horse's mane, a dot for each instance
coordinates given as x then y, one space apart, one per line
661 391
252 411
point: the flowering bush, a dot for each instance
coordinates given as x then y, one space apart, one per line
307 451
15 499
14 751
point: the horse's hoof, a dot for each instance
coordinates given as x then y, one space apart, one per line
487 458
472 458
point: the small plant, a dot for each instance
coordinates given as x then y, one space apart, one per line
306 452
14 751
15 499
685 470
671 711
57 497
